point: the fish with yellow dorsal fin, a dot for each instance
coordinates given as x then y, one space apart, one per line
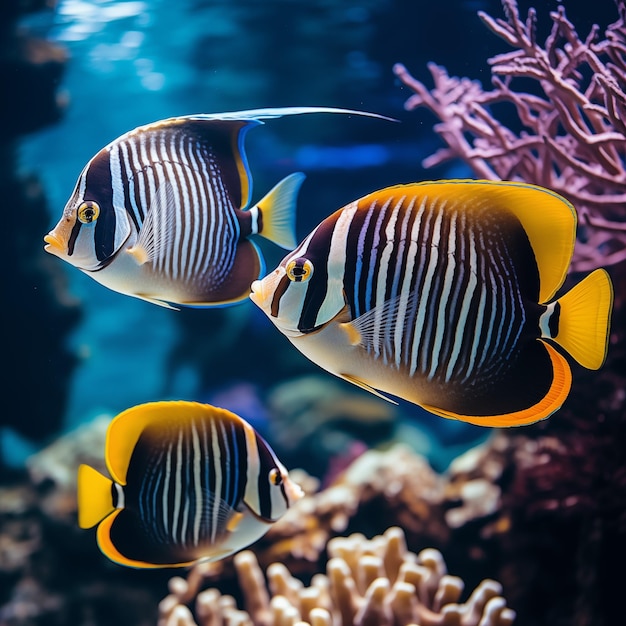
189 482
442 293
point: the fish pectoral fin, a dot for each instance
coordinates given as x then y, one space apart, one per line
95 500
352 333
363 385
139 254
373 325
157 232
234 521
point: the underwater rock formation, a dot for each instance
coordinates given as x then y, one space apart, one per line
571 136
375 582
39 312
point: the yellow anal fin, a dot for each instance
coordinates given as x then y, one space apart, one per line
551 402
95 498
585 319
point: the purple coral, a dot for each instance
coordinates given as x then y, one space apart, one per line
573 136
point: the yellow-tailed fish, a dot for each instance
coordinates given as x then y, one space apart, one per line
443 294
161 212
188 482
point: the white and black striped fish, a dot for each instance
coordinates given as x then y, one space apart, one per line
160 213
442 293
189 482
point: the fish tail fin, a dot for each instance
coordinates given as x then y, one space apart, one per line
278 213
584 320
95 497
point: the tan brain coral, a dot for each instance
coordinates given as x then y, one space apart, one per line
375 582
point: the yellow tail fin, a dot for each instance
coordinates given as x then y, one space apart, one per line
278 211
585 319
95 499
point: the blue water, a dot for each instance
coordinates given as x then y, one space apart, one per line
138 61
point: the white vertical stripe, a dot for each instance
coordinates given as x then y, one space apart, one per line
442 325
383 269
467 301
197 482
336 264
196 208
166 490
360 253
486 349
117 197
178 486
217 468
254 468
401 326
478 334
135 164
425 294
205 210
128 170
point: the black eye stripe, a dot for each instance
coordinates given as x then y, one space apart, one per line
278 293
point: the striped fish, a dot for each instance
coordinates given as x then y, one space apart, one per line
189 482
442 293
161 213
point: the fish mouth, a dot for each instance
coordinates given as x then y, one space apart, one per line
256 293
53 244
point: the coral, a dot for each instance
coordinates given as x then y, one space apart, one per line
540 509
375 582
378 489
53 469
572 137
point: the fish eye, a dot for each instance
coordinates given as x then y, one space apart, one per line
88 212
299 270
276 478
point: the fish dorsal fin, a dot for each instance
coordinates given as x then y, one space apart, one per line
224 140
125 430
225 133
158 230
95 499
548 219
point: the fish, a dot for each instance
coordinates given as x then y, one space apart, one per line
442 293
163 213
188 482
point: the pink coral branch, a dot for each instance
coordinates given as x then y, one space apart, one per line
574 133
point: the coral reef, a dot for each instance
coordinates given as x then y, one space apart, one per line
541 510
571 135
375 582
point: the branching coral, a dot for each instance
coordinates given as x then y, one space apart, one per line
375 582
573 136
